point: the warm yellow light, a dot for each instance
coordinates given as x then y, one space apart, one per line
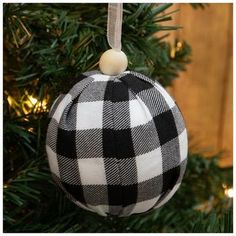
33 100
224 186
44 104
13 103
229 192
10 100
32 104
172 53
179 45
29 104
30 129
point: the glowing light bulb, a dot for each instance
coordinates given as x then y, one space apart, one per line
33 100
172 53
179 45
44 104
229 192
10 100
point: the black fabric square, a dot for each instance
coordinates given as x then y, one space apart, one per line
114 195
108 91
95 194
165 125
108 140
69 170
150 188
135 84
129 194
120 92
124 144
170 178
75 190
89 143
66 145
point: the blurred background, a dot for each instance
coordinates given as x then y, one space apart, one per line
205 91
186 47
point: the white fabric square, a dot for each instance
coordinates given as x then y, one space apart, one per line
52 159
61 107
99 77
139 113
144 205
92 171
149 165
89 115
183 145
168 98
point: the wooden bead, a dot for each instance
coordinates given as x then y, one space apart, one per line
113 62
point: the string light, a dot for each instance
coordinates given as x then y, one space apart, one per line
5 186
13 103
179 46
31 130
10 100
33 100
172 53
229 192
33 104
175 49
28 104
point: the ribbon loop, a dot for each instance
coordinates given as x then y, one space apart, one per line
114 25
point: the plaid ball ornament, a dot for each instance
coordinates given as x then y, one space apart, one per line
117 145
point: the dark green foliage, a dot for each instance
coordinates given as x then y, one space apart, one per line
68 39
213 224
46 47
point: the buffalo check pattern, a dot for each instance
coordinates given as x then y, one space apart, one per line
117 145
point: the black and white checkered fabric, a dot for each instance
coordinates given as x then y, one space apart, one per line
117 145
